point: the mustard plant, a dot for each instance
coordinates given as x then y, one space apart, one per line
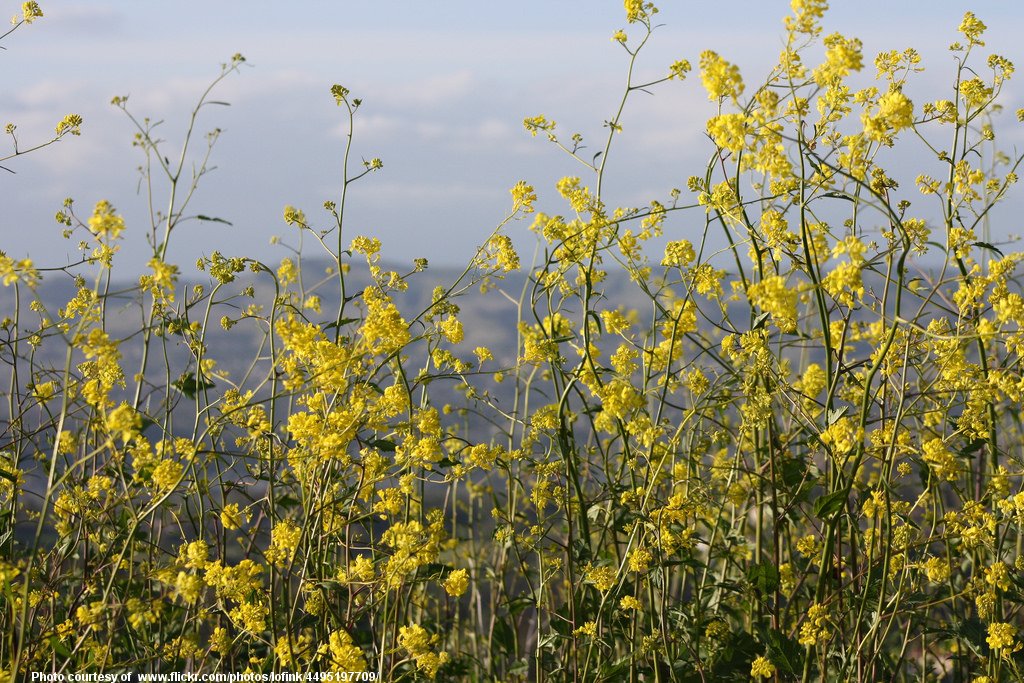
765 426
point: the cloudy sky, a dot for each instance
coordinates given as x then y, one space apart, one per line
445 86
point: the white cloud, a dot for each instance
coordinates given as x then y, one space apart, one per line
444 100
436 91
83 17
429 192
494 130
376 126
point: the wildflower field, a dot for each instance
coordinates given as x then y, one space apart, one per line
766 426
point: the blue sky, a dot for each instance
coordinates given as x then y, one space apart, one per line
445 86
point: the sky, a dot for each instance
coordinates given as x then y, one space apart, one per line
445 86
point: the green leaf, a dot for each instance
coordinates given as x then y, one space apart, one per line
212 219
580 550
343 321
735 659
793 472
973 631
59 648
190 386
436 570
785 653
147 422
504 637
516 605
836 195
550 641
971 448
597 510
829 505
990 247
834 415
616 671
764 576
287 502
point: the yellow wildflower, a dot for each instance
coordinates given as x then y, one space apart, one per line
720 78
284 539
588 629
630 603
30 11
603 578
231 516
456 583
774 296
678 253
1001 636
762 667
895 112
728 131
523 197
972 27
344 654
104 222
419 644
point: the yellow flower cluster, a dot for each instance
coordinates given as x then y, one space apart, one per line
678 69
603 578
588 630
629 603
384 328
420 646
235 582
457 583
161 282
413 546
894 112
773 295
972 27
284 541
815 630
123 422
30 11
721 79
523 197
101 370
805 16
104 222
70 124
729 131
842 436
619 398
842 56
937 569
535 124
343 654
845 282
345 500
678 253
12 271
941 461
638 10
1002 636
762 667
